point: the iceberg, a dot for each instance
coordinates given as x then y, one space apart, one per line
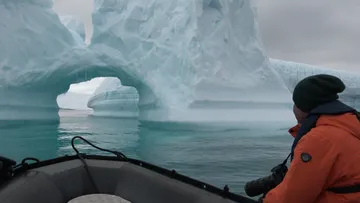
291 73
179 55
194 55
73 101
111 99
188 61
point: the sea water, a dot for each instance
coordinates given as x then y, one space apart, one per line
230 157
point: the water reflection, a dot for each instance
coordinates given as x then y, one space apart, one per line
217 157
115 134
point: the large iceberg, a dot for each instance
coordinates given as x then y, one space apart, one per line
179 55
208 56
183 58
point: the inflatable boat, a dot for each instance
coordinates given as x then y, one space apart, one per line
87 178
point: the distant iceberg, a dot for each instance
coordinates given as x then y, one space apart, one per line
291 73
111 99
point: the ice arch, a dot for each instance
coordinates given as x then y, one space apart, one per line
41 58
179 55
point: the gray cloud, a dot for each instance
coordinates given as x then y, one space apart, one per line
321 32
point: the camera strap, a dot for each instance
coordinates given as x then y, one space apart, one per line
345 189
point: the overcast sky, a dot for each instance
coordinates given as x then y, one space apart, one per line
319 32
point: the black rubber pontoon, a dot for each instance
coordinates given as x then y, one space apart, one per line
62 179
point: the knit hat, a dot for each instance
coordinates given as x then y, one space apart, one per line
316 90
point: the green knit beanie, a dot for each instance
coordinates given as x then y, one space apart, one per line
316 90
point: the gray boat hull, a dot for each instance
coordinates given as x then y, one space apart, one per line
61 180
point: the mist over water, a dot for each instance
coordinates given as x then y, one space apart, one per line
215 156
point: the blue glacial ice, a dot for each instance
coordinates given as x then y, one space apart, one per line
188 60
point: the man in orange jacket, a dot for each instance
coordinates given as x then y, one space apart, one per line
325 166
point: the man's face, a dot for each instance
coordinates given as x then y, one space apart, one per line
299 115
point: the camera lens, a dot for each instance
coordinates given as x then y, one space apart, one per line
260 186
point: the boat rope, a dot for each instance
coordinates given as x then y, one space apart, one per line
80 155
118 154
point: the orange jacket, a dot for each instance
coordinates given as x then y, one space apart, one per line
334 147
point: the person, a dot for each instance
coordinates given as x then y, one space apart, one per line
325 166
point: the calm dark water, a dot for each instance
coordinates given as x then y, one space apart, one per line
217 157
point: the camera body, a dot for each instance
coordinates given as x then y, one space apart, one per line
6 166
267 183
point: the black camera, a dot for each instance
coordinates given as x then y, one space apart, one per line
265 184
